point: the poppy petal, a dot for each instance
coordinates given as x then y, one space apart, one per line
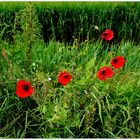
105 72
107 34
64 78
21 92
117 62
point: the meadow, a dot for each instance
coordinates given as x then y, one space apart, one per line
38 40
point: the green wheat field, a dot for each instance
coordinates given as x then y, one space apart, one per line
40 39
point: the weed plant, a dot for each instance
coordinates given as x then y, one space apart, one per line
86 107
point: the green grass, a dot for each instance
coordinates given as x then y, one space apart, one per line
62 20
86 107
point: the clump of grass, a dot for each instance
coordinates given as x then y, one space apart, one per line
61 21
65 20
86 107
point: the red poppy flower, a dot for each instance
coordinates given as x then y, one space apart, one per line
105 72
23 89
117 62
107 34
64 78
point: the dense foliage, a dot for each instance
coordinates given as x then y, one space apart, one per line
63 20
82 106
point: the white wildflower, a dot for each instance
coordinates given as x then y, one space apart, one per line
49 79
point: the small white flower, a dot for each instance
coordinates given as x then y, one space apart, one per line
137 107
49 79
33 64
96 27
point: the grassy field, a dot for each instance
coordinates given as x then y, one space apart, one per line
61 21
85 108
